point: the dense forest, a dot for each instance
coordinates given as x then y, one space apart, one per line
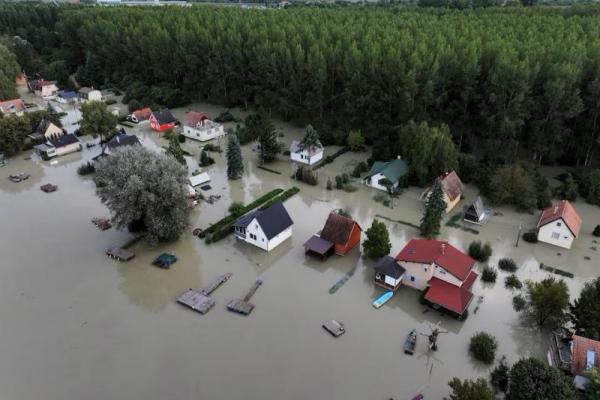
510 84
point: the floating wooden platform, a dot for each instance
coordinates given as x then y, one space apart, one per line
101 223
199 300
244 306
120 254
49 188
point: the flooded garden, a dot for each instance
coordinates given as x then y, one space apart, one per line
76 324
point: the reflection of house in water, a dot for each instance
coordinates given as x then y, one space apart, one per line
575 355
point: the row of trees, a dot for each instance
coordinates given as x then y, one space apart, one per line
507 83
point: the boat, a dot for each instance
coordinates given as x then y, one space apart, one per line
381 300
411 342
165 260
19 177
334 327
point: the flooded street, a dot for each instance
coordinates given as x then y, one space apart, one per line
77 325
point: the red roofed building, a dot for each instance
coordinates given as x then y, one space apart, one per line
162 120
574 354
559 225
198 126
446 272
452 187
339 235
14 106
141 115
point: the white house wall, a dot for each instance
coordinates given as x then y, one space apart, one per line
556 228
417 275
261 239
304 158
71 148
446 276
391 281
203 134
280 238
373 182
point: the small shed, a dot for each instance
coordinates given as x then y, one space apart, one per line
320 247
388 273
476 213
200 179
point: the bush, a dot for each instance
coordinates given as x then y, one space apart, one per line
507 264
499 375
205 159
86 169
480 252
359 169
225 116
531 236
212 147
513 282
181 138
489 274
133 105
236 208
350 188
483 347
306 175
596 231
110 102
356 141
518 303
380 198
329 184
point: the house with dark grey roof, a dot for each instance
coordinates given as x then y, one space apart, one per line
122 139
266 228
394 171
388 273
162 120
58 146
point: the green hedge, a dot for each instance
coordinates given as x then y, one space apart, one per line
329 159
284 196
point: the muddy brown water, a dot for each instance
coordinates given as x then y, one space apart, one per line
74 324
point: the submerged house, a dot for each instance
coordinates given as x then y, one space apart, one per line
476 213
89 94
66 96
394 171
45 131
42 88
198 126
162 120
559 225
308 155
339 235
445 272
139 116
452 187
122 140
265 229
14 106
388 273
65 144
575 355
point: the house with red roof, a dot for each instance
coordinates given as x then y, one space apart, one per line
445 272
43 88
574 354
14 106
559 225
339 235
452 187
198 126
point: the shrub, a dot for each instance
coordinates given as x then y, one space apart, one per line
359 169
225 116
489 274
350 188
133 105
531 236
380 198
518 303
596 231
513 282
480 252
306 175
483 347
181 138
236 208
286 153
86 169
356 141
507 264
205 159
212 147
329 184
499 375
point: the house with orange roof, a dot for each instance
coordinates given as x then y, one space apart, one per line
452 187
339 235
139 116
576 355
443 271
14 106
559 225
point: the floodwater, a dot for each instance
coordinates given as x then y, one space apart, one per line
77 325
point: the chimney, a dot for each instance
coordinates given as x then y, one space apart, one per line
443 248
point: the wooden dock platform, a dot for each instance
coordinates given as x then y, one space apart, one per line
244 306
120 254
199 300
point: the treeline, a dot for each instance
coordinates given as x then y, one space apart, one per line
512 83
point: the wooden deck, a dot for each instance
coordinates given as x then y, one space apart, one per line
118 253
199 300
244 306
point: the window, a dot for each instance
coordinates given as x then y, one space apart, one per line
555 235
412 278
252 236
558 223
378 276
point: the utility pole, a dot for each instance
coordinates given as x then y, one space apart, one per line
519 234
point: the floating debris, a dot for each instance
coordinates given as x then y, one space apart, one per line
343 280
199 300
244 306
411 342
120 254
19 177
49 188
556 271
101 223
165 260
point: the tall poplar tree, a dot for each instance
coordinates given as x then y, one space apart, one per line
434 210
235 165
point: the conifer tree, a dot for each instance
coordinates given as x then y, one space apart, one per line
311 138
235 166
434 210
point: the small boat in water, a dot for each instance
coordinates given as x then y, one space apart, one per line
381 300
411 342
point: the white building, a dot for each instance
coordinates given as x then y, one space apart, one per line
89 94
200 179
559 225
306 155
394 171
265 229
198 127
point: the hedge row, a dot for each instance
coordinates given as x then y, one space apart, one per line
234 216
329 159
268 200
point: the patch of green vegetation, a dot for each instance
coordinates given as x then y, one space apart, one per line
512 282
556 271
269 170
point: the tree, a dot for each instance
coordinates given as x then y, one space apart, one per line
568 189
434 210
310 139
9 69
235 165
593 196
499 375
13 131
544 192
547 302
483 347
392 190
356 141
592 388
144 191
174 149
205 159
532 379
470 390
585 311
269 146
378 243
511 184
96 121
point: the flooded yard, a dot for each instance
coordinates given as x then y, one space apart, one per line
75 324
